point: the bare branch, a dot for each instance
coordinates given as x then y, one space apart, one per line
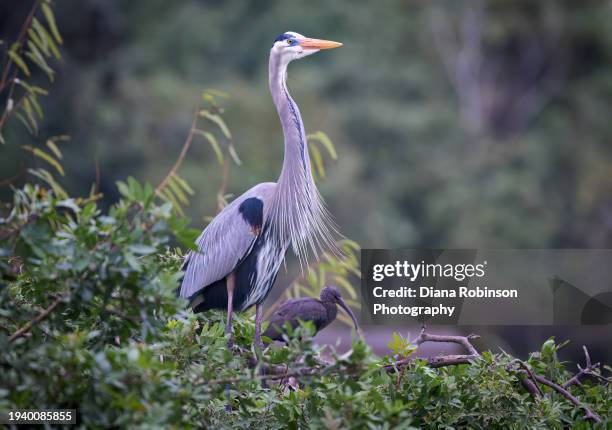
41 316
590 370
461 340
589 414
221 201
182 155
442 360
8 232
532 386
535 391
4 80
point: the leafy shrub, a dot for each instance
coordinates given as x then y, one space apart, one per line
120 347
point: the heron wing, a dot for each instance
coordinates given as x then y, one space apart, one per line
226 240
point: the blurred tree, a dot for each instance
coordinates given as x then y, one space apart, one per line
457 124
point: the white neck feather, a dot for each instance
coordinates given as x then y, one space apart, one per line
297 213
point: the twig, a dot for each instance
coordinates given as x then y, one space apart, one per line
3 81
22 32
534 379
435 362
461 340
8 232
532 387
591 370
182 155
9 180
589 414
41 316
276 372
221 202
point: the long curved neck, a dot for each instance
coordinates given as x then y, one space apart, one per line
297 212
296 164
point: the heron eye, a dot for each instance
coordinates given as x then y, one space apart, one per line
289 42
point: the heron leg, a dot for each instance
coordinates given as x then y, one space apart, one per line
258 320
257 339
231 284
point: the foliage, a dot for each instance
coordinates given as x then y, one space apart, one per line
121 349
36 45
400 346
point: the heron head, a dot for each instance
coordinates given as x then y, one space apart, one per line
292 46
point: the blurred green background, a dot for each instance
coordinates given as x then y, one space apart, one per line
457 123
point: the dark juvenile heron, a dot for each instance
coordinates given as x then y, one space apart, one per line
322 312
240 252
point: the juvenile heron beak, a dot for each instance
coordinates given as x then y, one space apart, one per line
318 44
349 311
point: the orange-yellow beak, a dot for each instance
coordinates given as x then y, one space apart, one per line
318 44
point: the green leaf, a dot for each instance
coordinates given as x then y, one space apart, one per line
177 191
53 147
34 101
44 35
321 137
142 249
317 161
169 197
216 93
19 62
26 123
39 42
233 154
27 108
48 178
187 236
213 143
132 261
218 121
183 183
51 21
135 188
48 158
123 189
70 204
40 62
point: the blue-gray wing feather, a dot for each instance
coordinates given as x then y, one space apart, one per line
223 243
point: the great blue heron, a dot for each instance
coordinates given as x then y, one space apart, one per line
240 252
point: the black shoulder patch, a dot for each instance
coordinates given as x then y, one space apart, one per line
282 37
252 211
